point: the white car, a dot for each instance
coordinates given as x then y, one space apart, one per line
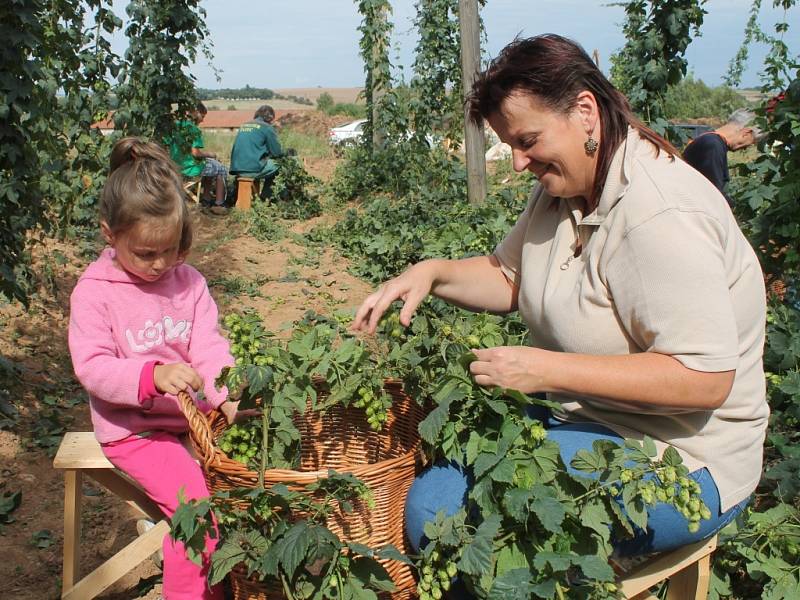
345 135
350 134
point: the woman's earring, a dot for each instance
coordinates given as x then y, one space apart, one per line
590 145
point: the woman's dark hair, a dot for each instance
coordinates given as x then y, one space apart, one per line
143 183
266 112
555 70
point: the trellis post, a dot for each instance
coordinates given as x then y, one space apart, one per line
378 135
473 133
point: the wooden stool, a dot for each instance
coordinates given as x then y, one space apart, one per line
79 454
246 190
688 570
192 188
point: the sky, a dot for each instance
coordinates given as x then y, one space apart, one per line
307 43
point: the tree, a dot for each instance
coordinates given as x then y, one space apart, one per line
658 33
164 40
325 102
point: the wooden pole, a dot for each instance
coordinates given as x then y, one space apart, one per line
473 133
596 57
378 135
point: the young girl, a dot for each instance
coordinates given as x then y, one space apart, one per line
143 327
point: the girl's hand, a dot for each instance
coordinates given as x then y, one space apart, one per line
233 414
176 377
514 367
411 286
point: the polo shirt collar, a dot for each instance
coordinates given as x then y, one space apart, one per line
617 179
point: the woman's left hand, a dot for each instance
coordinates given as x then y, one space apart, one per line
515 367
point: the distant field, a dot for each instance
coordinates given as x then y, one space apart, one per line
752 96
312 93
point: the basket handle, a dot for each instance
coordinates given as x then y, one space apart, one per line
199 429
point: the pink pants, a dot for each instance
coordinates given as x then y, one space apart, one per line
162 466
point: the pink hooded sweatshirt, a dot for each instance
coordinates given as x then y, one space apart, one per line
120 323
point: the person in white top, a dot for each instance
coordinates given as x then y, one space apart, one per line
645 302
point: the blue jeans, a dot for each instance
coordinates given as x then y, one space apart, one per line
445 486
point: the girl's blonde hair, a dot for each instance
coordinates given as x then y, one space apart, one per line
144 184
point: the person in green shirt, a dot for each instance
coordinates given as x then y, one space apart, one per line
187 151
255 148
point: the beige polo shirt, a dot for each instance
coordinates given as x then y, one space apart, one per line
664 268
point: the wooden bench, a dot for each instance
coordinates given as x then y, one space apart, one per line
79 454
246 191
193 187
687 570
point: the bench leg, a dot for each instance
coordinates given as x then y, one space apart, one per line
132 494
692 582
126 559
120 564
244 194
73 484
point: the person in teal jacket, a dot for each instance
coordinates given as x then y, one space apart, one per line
255 148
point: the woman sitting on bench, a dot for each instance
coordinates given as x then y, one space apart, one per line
645 302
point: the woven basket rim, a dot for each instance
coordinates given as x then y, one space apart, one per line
219 460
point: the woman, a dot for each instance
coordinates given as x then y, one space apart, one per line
645 302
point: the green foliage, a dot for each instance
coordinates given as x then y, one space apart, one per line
261 223
247 93
239 286
693 99
435 220
280 376
436 84
657 34
533 529
409 118
767 188
349 109
292 197
47 149
529 524
244 93
752 31
81 63
325 102
9 502
307 145
59 67
279 537
165 38
373 46
526 513
22 127
758 554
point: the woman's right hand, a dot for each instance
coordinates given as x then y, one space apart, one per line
411 286
176 377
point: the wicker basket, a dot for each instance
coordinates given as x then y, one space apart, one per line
340 439
245 588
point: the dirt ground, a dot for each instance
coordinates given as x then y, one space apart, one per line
284 280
